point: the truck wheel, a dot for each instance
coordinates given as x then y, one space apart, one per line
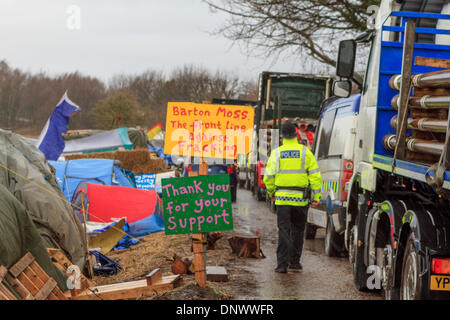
241 183
333 241
248 185
410 287
310 231
355 255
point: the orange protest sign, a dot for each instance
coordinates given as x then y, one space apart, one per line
208 130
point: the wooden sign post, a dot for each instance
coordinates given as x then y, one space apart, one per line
199 243
197 205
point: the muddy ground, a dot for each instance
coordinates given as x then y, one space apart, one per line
322 277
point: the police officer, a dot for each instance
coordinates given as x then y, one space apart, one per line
290 172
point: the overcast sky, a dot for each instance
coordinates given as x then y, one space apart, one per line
118 36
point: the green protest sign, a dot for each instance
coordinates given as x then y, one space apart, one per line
197 204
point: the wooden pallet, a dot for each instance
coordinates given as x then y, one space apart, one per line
60 260
30 282
154 283
5 293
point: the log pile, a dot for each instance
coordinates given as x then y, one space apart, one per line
428 114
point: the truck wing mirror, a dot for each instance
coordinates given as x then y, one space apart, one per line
342 88
346 59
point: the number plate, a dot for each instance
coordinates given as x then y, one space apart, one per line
441 283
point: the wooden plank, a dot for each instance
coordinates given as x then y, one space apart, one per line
130 290
3 272
19 288
46 289
20 266
6 293
3 297
432 62
28 284
154 277
199 248
38 271
58 294
38 283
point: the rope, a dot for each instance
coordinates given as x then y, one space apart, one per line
62 198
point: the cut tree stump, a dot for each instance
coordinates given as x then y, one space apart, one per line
248 247
211 238
182 265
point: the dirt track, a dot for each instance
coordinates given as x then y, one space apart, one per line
322 277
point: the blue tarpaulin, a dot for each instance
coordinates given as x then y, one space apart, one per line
101 171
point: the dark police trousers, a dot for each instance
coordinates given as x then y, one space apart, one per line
291 222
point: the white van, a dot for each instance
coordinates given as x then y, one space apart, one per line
333 148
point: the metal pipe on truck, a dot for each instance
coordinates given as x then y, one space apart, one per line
425 102
436 79
415 145
423 124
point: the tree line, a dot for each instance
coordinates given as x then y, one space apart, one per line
27 99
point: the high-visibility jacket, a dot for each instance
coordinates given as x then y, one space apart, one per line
290 168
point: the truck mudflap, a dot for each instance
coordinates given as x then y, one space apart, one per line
427 230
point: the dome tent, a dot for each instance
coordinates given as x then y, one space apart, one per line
106 204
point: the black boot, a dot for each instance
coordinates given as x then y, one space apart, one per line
281 270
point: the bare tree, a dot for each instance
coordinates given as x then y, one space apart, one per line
307 27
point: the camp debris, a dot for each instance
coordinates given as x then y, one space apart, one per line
105 266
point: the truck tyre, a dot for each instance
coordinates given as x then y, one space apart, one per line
248 185
410 286
356 259
333 241
241 183
310 231
258 194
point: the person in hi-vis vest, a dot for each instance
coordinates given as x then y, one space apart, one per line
291 173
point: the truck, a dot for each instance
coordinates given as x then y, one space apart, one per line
281 96
395 220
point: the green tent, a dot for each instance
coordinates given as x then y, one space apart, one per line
28 177
18 235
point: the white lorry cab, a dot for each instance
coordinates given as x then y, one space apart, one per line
333 148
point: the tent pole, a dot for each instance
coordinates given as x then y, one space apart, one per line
88 260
